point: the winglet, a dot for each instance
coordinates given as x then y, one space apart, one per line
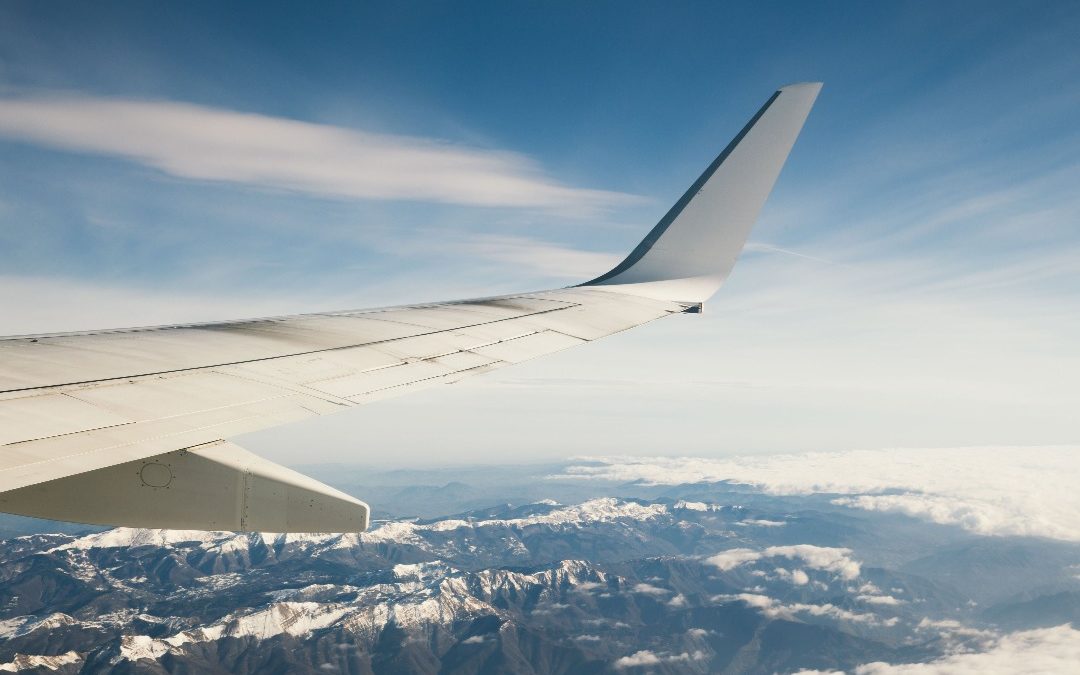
691 251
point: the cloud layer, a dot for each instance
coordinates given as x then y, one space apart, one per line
204 143
1047 650
991 491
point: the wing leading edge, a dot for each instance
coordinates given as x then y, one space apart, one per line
130 427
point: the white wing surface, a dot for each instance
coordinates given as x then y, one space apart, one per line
130 426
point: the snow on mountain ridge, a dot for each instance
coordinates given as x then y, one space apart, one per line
38 662
567 574
132 537
684 505
23 625
294 618
420 571
600 510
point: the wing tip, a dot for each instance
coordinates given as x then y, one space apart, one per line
796 86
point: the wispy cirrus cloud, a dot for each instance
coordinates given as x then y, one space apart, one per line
214 144
540 257
512 256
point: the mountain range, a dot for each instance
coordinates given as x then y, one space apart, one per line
703 578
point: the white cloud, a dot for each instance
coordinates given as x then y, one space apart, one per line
951 628
204 143
796 577
835 560
733 557
649 658
987 490
1047 650
751 599
975 516
879 599
774 609
641 658
649 589
696 655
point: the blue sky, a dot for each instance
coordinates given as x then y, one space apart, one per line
913 280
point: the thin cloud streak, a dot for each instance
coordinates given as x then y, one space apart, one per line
519 259
213 144
44 305
544 258
761 247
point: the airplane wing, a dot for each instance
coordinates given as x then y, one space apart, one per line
131 426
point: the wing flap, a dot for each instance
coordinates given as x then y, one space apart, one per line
29 462
219 486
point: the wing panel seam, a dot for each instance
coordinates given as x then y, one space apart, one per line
282 356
